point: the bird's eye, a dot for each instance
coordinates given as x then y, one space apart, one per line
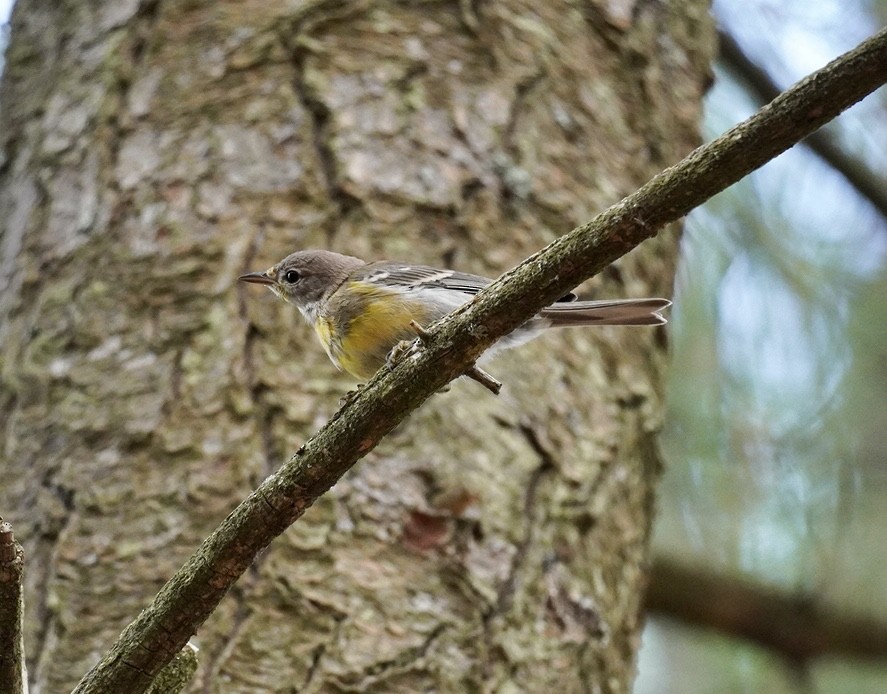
292 276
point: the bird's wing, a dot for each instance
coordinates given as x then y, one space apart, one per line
415 276
418 276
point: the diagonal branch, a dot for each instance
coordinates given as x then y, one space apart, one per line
456 342
869 183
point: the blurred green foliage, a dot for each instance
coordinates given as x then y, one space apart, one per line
776 438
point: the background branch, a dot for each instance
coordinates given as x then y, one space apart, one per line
183 604
797 627
870 184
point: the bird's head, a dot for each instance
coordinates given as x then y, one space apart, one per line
306 279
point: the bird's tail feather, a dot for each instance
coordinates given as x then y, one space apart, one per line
620 312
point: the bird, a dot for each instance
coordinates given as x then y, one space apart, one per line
362 310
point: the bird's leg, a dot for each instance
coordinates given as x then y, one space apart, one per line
475 373
398 352
405 347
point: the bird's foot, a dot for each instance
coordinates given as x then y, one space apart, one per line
399 352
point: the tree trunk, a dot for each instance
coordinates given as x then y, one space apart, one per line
154 151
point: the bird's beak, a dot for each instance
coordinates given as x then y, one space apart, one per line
257 278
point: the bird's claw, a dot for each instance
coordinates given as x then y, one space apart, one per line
401 350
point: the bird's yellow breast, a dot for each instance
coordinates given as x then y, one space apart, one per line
364 324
